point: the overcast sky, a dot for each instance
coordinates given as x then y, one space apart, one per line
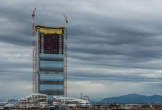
114 46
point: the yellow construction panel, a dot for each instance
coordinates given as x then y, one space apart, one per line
50 30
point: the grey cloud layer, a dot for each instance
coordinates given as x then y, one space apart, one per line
112 35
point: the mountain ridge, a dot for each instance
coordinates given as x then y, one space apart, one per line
133 99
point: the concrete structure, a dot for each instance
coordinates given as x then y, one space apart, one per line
49 61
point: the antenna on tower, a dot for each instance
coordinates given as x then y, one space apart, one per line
33 18
66 20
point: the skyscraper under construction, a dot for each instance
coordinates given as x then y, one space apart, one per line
49 60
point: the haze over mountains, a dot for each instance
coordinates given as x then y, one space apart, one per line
133 99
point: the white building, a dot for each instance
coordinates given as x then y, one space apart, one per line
71 102
34 100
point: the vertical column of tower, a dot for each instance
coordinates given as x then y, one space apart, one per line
33 53
65 62
36 63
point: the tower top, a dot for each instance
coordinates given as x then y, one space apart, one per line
50 30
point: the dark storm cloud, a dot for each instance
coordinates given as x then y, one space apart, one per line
136 44
15 26
15 76
128 78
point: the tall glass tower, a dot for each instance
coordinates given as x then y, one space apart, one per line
49 61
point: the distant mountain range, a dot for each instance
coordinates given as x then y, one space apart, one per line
133 99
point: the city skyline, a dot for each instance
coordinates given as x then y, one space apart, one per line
114 46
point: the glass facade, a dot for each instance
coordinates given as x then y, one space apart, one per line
51 87
52 57
49 62
52 65
51 77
